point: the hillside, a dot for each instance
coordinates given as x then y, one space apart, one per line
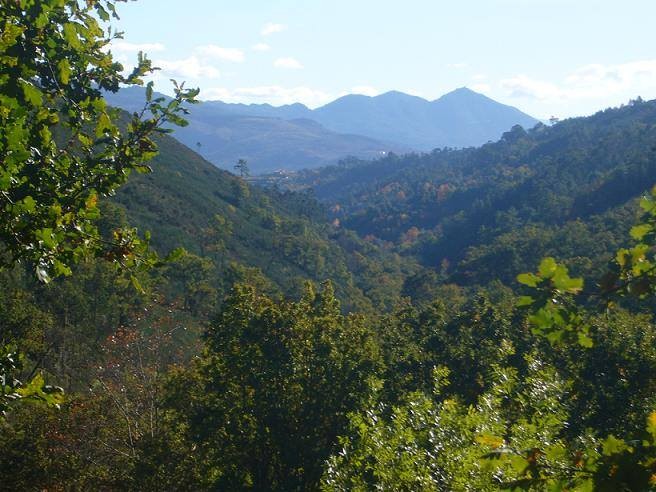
483 213
186 201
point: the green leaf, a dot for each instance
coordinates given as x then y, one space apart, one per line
547 267
525 301
528 279
621 256
37 389
61 269
176 120
646 203
104 123
32 94
562 281
175 255
639 231
612 445
70 35
64 68
136 284
149 91
102 13
584 340
46 236
541 319
29 204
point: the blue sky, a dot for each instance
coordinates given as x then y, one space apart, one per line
546 57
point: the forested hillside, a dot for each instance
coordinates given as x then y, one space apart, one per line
187 202
484 213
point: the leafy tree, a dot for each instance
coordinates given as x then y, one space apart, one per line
61 147
272 392
242 168
435 442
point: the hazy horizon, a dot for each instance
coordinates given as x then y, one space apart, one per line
545 57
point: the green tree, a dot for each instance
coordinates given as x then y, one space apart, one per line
543 423
61 147
273 390
436 442
242 168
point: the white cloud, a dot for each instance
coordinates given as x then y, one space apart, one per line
524 86
366 90
288 62
480 87
261 47
190 67
459 65
220 53
272 94
624 74
120 46
588 82
271 28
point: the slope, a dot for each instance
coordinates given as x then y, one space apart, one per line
486 213
186 201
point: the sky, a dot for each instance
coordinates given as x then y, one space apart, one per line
548 58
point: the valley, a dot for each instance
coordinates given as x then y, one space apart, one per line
297 286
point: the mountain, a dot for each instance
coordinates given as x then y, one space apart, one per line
269 138
461 118
269 144
398 116
486 213
293 136
287 111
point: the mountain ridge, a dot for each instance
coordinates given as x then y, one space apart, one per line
293 136
459 118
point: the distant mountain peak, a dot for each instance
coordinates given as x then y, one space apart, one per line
461 93
398 96
462 90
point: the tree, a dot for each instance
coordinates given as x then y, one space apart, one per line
61 147
242 168
570 405
273 388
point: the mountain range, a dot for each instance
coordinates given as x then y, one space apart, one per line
294 136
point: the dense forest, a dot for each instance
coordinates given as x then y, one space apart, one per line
484 213
473 319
